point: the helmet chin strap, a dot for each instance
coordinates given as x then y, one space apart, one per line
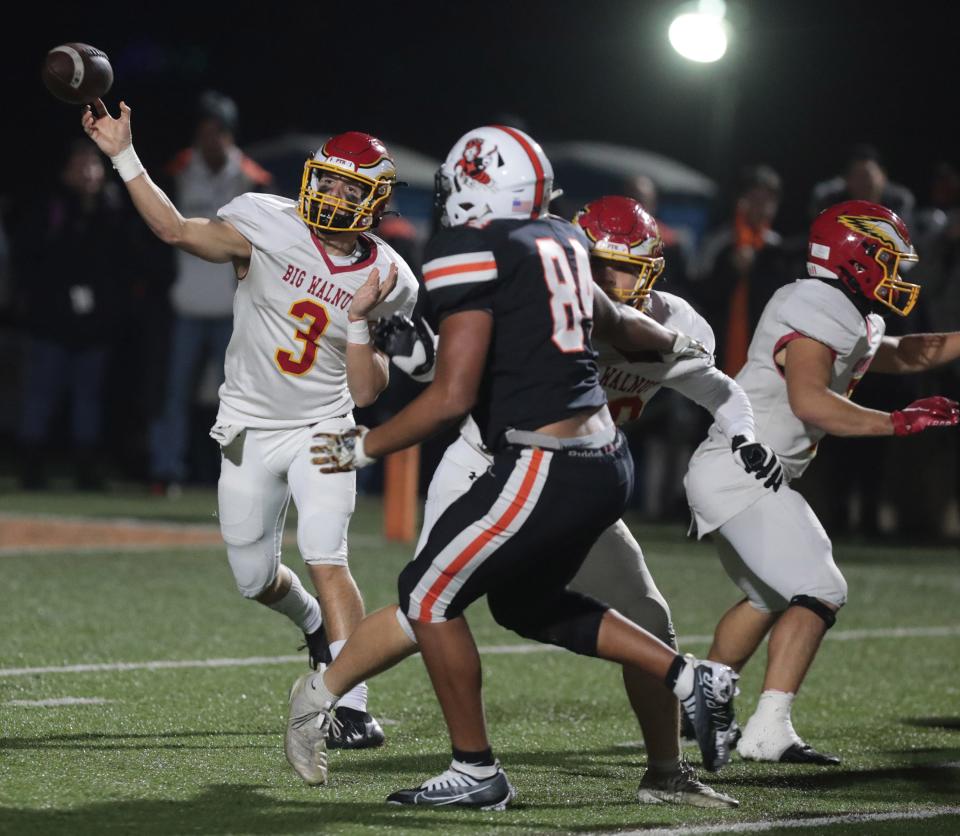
862 303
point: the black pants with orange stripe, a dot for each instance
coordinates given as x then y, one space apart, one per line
518 536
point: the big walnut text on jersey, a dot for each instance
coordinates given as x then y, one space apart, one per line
319 287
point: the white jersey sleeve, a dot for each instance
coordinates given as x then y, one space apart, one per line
813 312
721 396
698 378
270 223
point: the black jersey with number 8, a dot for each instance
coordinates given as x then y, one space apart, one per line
533 277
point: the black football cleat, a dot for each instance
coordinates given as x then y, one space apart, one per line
805 753
710 709
354 730
689 733
454 788
317 647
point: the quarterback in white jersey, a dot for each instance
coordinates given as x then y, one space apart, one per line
626 260
311 274
815 339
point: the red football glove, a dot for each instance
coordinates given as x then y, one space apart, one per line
937 411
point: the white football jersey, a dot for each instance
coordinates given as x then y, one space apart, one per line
286 362
807 308
631 381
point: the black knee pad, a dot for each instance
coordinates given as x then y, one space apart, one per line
816 606
569 620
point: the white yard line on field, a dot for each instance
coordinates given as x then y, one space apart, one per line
776 824
58 701
492 650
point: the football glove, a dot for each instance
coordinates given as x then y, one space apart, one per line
411 345
760 460
686 347
937 411
340 452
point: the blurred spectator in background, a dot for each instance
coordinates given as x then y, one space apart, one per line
741 264
206 176
942 198
864 177
926 504
72 259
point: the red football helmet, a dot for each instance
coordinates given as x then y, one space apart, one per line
620 229
862 244
346 184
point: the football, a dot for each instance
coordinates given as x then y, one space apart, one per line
77 73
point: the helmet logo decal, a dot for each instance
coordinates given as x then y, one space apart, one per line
342 162
474 162
868 226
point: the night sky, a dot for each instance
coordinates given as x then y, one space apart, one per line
801 83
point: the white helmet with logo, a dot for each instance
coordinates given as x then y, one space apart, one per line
493 172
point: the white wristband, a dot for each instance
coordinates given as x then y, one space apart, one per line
128 164
358 332
360 457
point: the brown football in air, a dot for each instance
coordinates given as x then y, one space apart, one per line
77 73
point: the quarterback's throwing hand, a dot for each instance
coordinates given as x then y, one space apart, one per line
760 460
111 135
937 411
687 347
411 345
340 452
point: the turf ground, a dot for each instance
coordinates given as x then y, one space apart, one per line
140 694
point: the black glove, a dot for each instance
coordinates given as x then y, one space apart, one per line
411 345
760 460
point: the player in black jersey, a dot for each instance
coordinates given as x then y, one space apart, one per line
512 288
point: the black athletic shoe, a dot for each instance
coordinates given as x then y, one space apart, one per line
687 731
710 709
454 788
805 753
354 730
318 648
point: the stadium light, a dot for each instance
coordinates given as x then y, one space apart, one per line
700 32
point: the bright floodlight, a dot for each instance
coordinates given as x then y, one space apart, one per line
699 36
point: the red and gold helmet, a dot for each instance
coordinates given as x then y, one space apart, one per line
620 229
862 245
346 184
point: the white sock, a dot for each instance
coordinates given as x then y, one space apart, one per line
475 770
356 697
300 607
320 695
769 731
683 687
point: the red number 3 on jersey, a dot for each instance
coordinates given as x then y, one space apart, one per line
315 317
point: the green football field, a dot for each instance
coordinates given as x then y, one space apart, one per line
139 693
